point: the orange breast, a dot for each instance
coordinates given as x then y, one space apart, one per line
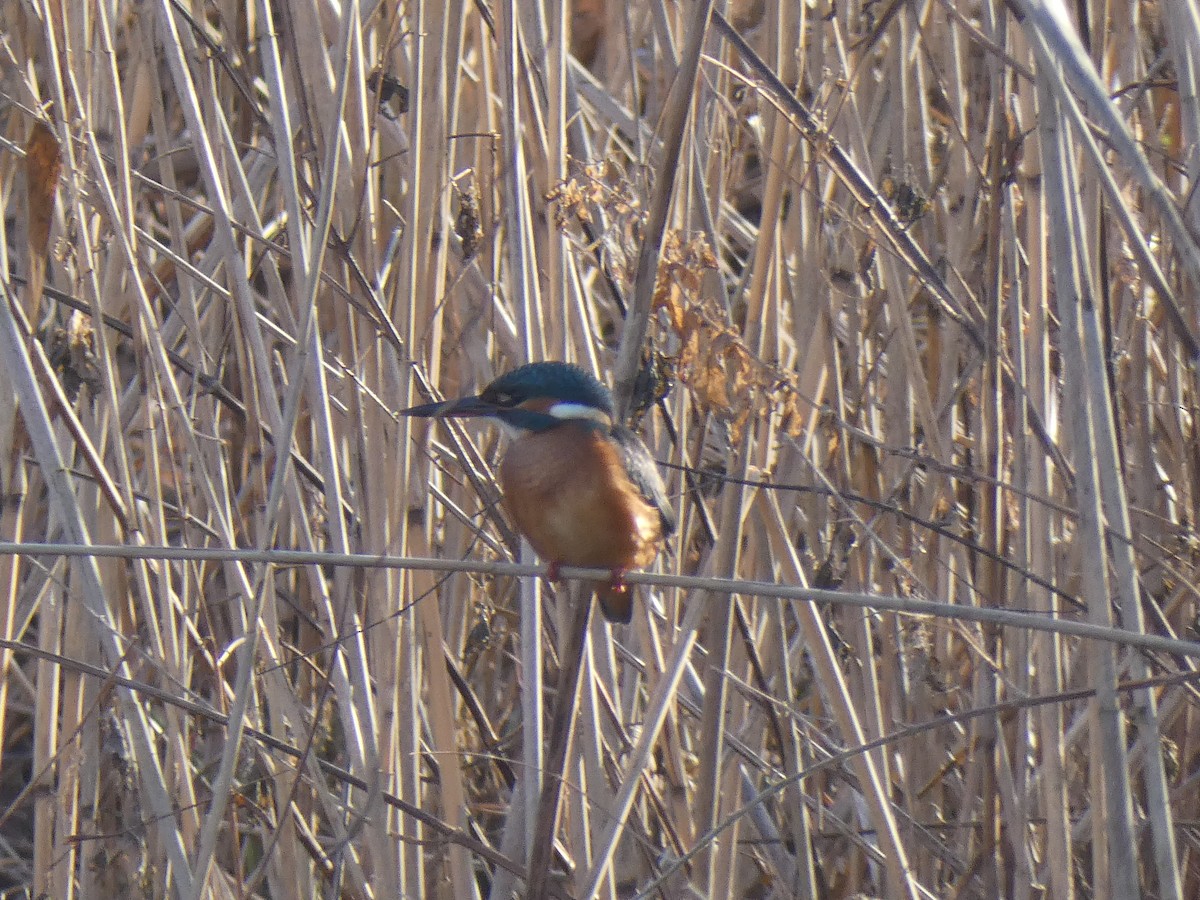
568 493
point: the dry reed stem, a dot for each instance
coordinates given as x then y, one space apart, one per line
925 285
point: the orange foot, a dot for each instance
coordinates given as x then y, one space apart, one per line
615 598
617 583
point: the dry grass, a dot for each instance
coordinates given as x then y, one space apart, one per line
904 296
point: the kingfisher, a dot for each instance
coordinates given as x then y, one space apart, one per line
581 487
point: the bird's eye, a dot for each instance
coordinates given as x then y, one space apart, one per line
503 398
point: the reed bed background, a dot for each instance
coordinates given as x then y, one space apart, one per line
902 295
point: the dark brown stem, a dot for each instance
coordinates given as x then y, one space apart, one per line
570 662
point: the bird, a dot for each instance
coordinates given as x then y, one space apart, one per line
581 487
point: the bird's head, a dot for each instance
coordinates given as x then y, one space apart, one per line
534 397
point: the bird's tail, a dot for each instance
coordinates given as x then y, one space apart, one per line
616 602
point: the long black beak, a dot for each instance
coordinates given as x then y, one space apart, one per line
463 406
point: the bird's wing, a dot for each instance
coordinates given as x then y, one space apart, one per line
643 472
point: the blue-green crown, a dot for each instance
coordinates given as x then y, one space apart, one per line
562 381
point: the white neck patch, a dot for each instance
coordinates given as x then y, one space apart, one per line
512 432
580 411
